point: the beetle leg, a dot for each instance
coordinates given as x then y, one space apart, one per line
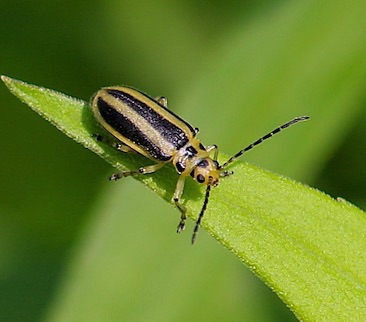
117 145
177 194
143 170
162 100
213 148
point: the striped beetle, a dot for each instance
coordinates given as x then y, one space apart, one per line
143 124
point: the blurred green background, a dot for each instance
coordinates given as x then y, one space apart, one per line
75 247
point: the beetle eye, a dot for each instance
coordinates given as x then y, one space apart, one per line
200 178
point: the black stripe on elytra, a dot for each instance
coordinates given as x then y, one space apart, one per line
126 128
170 132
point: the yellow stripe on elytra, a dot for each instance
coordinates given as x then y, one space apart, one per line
168 115
143 125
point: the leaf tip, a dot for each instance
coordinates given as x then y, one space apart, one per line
5 79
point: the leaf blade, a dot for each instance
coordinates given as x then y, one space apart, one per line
263 218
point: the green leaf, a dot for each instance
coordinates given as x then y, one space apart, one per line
309 248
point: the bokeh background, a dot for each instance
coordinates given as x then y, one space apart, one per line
75 247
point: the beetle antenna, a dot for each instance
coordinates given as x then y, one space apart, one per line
198 222
265 137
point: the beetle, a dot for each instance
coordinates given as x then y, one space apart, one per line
144 125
